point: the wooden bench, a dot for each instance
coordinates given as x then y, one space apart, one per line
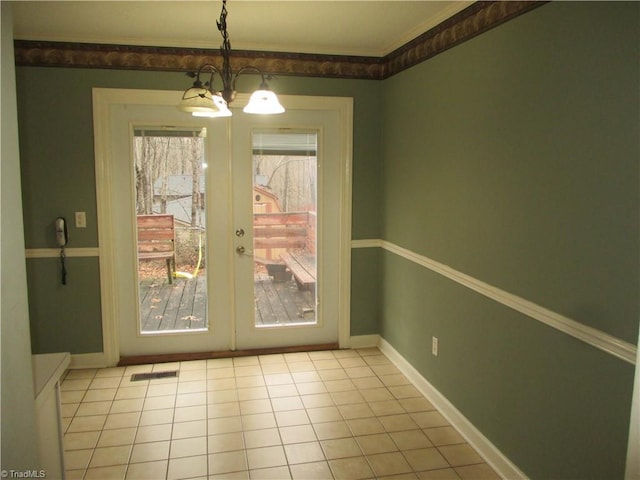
303 269
156 240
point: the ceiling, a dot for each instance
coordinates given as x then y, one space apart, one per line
367 28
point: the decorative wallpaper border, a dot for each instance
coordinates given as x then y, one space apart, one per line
474 20
478 18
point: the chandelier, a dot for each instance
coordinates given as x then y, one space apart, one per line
202 100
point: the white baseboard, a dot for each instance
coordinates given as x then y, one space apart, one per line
365 341
88 360
494 457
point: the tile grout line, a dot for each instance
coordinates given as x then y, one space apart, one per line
175 402
135 435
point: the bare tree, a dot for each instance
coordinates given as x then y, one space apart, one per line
164 176
140 183
156 160
292 179
147 161
184 143
196 168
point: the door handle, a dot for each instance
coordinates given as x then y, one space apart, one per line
240 250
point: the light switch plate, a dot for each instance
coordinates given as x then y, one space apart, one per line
81 220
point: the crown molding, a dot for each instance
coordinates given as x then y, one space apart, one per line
473 20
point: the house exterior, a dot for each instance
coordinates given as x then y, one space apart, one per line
178 198
506 163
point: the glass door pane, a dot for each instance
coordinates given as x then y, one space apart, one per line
284 197
171 231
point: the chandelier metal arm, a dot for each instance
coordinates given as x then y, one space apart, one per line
263 83
198 88
212 70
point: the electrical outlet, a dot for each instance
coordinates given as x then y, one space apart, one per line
434 346
81 220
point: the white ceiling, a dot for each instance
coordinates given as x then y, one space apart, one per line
369 28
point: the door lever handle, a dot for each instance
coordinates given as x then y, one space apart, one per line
240 250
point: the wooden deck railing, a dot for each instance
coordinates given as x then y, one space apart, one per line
277 237
274 233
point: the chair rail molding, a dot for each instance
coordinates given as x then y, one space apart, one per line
592 336
55 252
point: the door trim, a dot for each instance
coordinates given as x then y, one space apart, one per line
103 98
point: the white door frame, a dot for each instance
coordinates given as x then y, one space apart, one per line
103 98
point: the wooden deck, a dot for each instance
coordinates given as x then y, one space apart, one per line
178 306
280 303
182 305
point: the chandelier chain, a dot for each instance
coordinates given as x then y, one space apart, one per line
225 48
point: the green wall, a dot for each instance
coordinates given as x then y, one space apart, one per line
513 158
65 315
57 163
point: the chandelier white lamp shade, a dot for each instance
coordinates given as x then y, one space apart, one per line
263 102
221 109
202 100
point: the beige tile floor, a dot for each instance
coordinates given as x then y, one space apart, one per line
347 414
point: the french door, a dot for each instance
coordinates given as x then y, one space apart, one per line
289 256
260 215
